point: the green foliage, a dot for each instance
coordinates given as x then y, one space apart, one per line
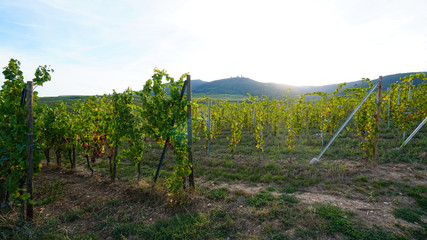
88 121
382 183
72 216
136 136
289 198
419 193
407 103
289 189
236 130
365 119
258 120
161 106
218 194
362 179
408 214
329 212
117 125
49 229
202 120
13 127
182 226
278 236
182 168
260 199
124 230
417 233
50 192
339 221
215 225
46 124
56 130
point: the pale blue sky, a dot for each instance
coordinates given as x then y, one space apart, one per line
96 46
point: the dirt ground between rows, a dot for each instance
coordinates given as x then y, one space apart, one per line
371 212
147 205
82 190
374 212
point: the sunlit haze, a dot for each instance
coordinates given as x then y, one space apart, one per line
96 46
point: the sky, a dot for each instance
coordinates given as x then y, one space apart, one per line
99 45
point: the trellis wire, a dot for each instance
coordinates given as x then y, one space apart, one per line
209 125
414 132
314 160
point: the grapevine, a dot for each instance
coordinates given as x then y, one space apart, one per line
13 129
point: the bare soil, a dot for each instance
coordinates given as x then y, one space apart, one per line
145 204
141 202
370 211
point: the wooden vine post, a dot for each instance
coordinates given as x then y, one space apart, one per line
209 127
190 131
30 212
377 121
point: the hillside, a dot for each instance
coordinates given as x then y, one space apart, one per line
242 86
238 87
197 83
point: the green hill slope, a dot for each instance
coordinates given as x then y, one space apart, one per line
242 86
238 87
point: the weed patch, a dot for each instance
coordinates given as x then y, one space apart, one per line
261 199
124 230
49 229
418 193
289 189
191 226
51 192
408 214
289 198
339 221
72 216
218 194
